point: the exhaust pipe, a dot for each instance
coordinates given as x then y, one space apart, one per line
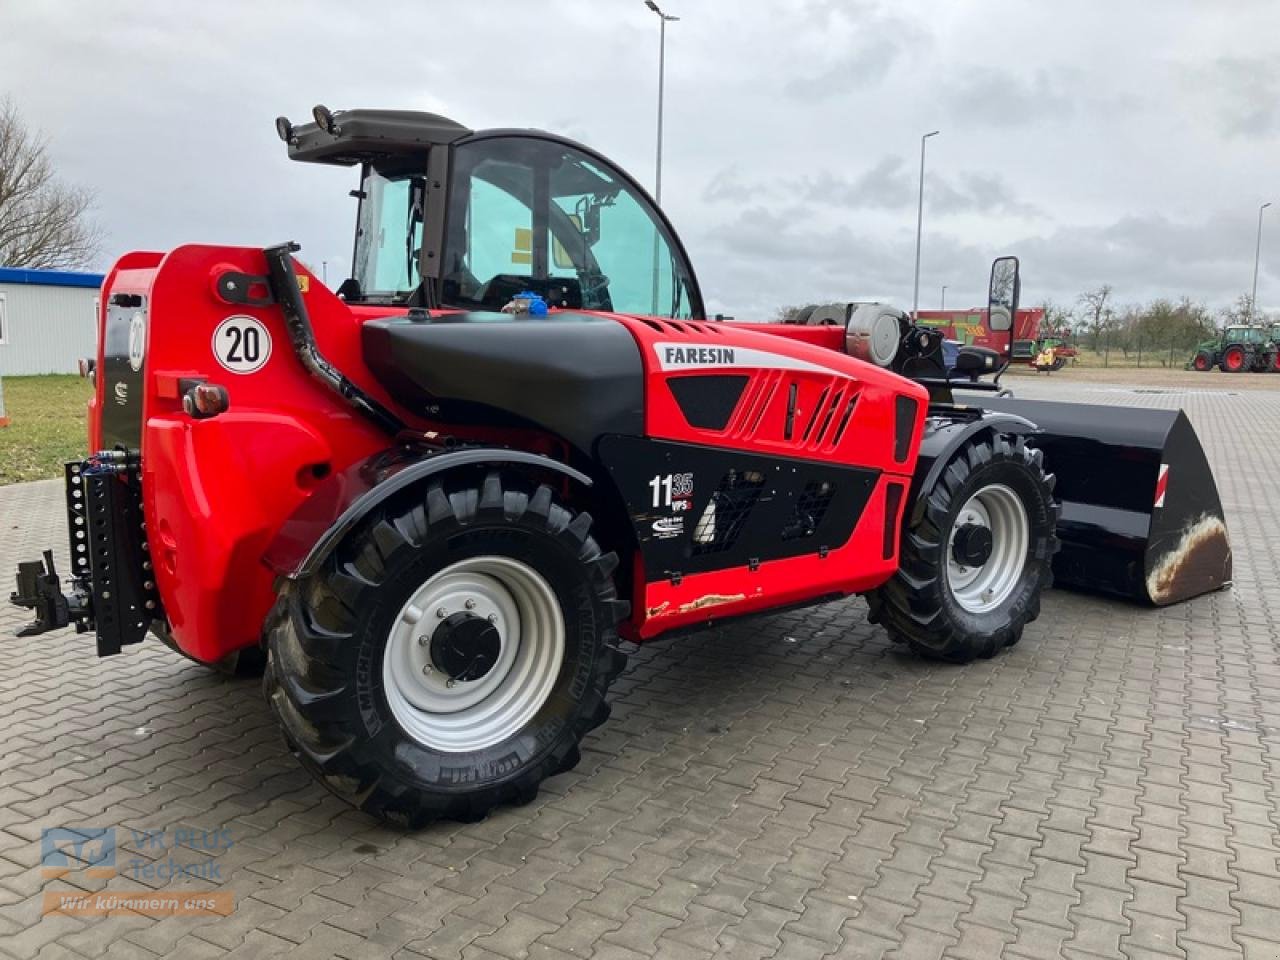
1141 516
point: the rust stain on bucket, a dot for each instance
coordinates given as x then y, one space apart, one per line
1201 557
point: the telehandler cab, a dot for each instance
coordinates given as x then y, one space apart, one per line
435 502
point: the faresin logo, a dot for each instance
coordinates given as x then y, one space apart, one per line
692 356
673 356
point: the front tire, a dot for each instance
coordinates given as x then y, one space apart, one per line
973 565
451 654
1203 361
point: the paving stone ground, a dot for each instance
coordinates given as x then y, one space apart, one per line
792 787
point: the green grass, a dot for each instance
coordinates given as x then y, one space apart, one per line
46 426
1157 359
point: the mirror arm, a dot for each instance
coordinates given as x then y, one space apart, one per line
995 381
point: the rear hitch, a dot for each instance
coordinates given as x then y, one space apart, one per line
40 589
113 590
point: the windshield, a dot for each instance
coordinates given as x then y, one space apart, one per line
1245 334
533 214
389 234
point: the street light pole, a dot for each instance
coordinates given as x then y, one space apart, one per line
663 18
915 295
944 297
1257 255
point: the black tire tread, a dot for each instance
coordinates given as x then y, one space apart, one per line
910 605
314 619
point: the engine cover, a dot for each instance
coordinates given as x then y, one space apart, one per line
576 375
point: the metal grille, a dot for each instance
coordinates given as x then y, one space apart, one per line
727 513
810 509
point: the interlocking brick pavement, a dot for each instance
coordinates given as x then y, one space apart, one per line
792 787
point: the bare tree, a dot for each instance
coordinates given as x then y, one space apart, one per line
1057 322
1240 312
1093 303
44 222
788 314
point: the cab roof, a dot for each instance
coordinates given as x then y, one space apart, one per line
360 135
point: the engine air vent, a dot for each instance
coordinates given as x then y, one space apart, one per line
844 420
810 509
727 513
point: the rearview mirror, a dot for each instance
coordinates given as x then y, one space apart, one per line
1002 295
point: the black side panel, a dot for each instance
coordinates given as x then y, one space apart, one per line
707 400
124 344
575 375
699 508
892 501
905 411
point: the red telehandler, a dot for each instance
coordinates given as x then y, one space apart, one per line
433 503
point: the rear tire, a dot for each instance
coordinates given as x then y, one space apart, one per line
492 697
1234 360
947 611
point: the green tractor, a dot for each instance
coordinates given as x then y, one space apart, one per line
1241 349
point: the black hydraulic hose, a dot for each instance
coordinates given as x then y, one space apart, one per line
284 288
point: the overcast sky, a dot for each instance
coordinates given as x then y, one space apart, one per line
1127 143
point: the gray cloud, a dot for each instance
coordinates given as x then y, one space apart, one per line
890 184
1243 94
792 128
1002 98
859 45
1208 259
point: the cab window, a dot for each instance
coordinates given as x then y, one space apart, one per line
389 234
530 213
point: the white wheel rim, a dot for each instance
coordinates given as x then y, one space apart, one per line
460 716
986 586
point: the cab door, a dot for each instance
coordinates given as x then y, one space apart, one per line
532 212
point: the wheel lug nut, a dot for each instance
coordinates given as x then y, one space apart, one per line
471 604
422 641
441 612
426 668
493 618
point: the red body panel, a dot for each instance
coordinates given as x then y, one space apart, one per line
217 491
829 337
824 380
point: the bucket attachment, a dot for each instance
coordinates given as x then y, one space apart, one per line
1141 514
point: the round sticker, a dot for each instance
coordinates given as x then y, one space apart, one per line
242 344
137 339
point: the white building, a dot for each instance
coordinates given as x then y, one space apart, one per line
48 320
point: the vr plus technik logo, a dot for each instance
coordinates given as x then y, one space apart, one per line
88 849
152 856
148 855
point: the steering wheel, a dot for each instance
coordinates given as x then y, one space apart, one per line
595 290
